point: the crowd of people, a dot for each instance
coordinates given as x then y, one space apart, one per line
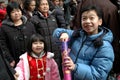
31 32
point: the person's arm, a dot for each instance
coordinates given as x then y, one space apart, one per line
57 33
20 70
4 47
10 70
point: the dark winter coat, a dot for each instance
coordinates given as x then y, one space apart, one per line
59 15
110 16
14 38
45 27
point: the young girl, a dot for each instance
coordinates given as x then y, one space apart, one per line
37 63
91 55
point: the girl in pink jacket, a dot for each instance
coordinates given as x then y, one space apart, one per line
37 63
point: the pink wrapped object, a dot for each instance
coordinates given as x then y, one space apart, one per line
66 72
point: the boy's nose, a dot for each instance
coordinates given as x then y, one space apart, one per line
88 20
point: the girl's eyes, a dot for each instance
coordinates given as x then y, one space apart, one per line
37 42
40 42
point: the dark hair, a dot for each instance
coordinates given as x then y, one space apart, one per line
95 8
97 42
11 6
27 3
38 2
34 38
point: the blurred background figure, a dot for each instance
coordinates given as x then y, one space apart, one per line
58 13
2 11
69 10
29 8
61 4
18 1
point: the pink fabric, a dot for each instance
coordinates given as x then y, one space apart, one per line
52 72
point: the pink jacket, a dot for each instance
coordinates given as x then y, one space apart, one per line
52 72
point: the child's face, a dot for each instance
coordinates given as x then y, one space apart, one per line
37 47
90 22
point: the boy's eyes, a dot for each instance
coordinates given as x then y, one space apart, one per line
85 18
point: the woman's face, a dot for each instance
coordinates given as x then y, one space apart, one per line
60 2
44 6
32 5
16 14
37 47
90 22
56 2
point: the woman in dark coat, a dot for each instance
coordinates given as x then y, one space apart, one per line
29 8
15 32
111 19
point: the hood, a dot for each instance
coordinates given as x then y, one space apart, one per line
10 23
50 55
104 33
108 36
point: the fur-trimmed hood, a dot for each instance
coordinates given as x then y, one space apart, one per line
50 55
10 22
51 68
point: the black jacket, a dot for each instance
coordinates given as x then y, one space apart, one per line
45 27
59 15
14 38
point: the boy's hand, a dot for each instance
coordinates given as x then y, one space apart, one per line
64 37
